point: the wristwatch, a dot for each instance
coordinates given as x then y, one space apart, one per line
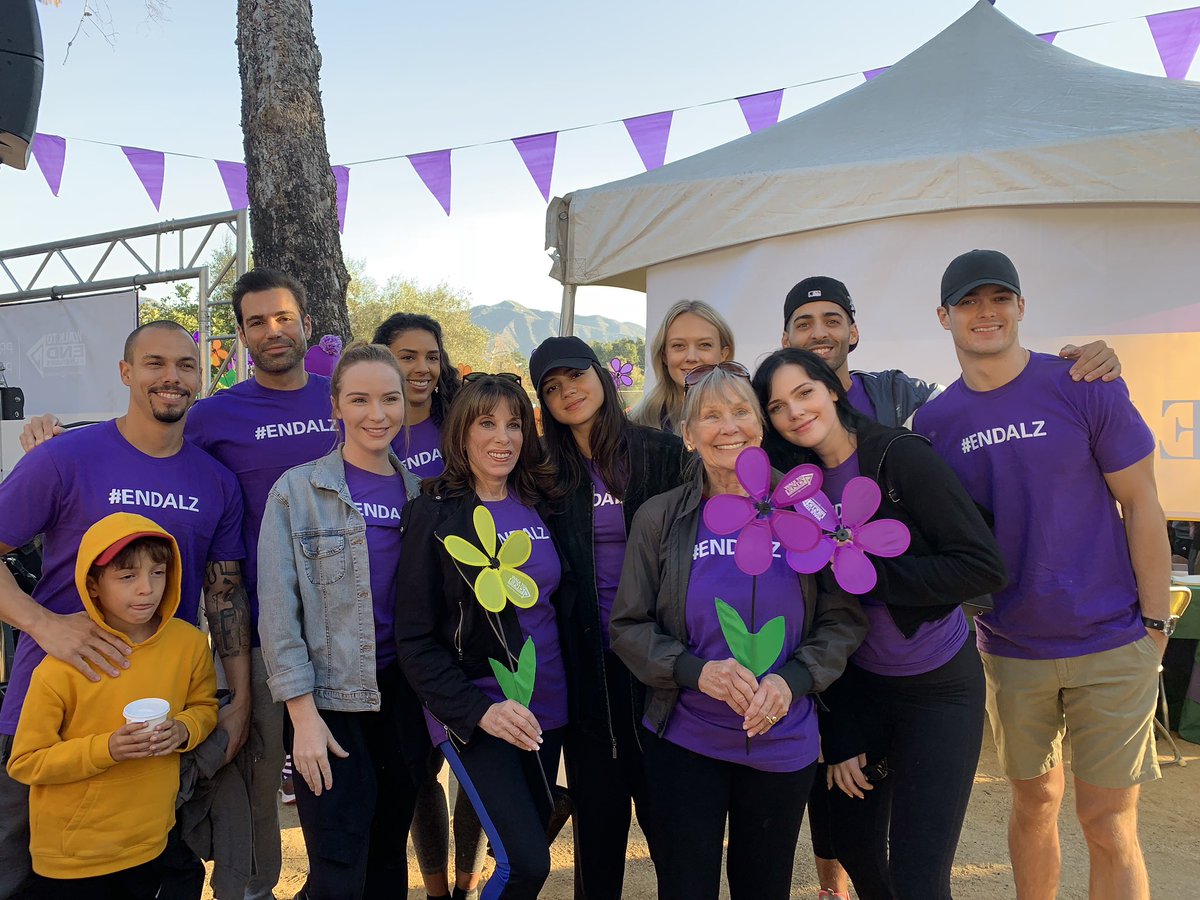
1167 627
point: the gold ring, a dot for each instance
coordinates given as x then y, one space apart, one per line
772 719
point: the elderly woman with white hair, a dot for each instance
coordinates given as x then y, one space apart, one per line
730 659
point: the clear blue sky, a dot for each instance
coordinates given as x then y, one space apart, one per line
402 78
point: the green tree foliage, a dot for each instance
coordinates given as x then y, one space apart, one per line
371 302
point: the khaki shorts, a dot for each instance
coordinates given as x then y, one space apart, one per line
1104 700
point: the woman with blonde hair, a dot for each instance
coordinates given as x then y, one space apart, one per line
692 334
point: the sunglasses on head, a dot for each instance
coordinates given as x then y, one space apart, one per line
692 378
504 376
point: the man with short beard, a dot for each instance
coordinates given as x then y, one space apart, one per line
139 463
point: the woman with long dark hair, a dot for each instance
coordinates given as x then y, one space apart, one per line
903 726
430 383
607 468
729 728
477 623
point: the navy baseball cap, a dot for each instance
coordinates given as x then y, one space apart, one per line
975 269
814 289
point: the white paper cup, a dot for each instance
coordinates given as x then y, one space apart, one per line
151 710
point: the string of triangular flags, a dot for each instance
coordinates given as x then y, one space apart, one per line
1176 36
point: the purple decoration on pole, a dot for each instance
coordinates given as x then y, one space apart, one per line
872 74
762 517
434 170
341 181
537 152
1048 36
50 151
850 536
149 166
621 372
649 135
233 174
322 356
1176 35
761 110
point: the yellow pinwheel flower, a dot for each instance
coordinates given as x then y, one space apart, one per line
499 579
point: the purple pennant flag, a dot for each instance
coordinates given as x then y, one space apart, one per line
649 135
761 110
1048 36
872 74
341 180
537 152
434 169
148 165
50 151
1176 35
234 176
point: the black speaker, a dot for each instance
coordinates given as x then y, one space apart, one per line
21 66
12 403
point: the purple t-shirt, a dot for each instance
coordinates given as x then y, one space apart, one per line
608 546
259 433
859 400
420 449
885 650
710 727
1035 452
380 499
66 485
540 621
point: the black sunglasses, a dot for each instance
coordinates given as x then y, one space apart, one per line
692 378
479 376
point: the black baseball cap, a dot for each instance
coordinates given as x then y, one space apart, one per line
811 290
975 269
559 353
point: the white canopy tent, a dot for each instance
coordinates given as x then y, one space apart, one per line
986 136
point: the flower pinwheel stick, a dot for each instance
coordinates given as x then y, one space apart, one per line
850 535
760 518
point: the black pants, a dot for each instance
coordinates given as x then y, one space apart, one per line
510 790
820 816
692 797
183 873
138 883
605 780
356 833
929 728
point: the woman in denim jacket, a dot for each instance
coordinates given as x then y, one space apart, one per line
329 551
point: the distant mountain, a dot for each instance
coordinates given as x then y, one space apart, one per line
514 326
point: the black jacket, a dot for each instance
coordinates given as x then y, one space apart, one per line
894 395
655 460
953 557
443 636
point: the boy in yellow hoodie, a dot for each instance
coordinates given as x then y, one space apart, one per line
102 795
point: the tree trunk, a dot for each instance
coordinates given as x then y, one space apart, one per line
293 201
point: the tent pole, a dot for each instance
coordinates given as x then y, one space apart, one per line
566 319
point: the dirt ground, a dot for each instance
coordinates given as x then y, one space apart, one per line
1170 834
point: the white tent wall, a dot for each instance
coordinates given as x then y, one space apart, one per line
1105 270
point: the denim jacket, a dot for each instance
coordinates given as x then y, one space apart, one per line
316 620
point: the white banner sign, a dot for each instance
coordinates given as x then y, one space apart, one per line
63 353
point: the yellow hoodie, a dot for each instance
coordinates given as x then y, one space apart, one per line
90 815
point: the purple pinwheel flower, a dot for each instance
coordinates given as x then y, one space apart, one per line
850 537
763 517
621 372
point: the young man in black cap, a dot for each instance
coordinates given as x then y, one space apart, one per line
1074 641
818 315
